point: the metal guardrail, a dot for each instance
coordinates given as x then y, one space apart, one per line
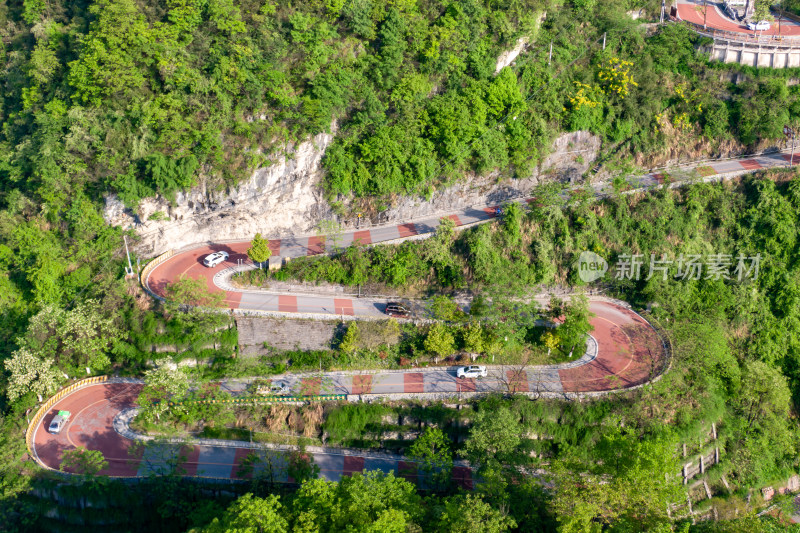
268 399
148 269
772 40
46 406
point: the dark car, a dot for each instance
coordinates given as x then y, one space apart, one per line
397 310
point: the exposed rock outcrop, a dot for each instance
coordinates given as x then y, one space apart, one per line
508 57
286 199
282 199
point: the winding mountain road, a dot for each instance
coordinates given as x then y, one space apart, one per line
713 17
624 351
628 353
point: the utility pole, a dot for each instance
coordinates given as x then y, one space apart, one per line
129 270
604 40
550 60
663 10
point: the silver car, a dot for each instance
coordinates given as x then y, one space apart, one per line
472 371
58 422
276 388
214 259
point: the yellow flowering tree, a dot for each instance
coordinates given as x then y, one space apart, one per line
615 77
585 107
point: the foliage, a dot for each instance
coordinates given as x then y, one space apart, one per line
259 250
432 452
302 467
628 483
191 291
29 373
249 514
471 514
83 461
351 338
360 503
162 385
350 421
439 340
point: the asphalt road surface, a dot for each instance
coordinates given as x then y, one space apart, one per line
692 11
628 353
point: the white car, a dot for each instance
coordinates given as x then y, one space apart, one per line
214 259
471 372
59 421
761 25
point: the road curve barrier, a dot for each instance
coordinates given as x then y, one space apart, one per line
743 37
148 269
46 406
269 399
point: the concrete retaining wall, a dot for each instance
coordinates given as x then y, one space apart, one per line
753 54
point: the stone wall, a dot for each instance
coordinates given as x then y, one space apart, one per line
284 334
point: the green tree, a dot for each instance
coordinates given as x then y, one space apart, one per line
29 373
494 436
473 337
82 461
432 452
190 291
361 503
352 338
628 483
73 339
301 466
161 385
444 308
576 326
259 250
469 513
249 514
440 340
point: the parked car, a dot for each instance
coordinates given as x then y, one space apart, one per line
214 259
276 388
59 421
397 310
761 25
472 371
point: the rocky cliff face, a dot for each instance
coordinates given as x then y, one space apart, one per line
286 199
283 199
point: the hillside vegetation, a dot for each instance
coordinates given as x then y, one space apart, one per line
142 97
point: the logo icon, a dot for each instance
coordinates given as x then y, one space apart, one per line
591 267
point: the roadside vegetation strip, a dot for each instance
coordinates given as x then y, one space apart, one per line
268 399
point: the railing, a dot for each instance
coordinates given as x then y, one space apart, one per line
148 269
772 40
46 406
268 399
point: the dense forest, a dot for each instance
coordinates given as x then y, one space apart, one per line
142 97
